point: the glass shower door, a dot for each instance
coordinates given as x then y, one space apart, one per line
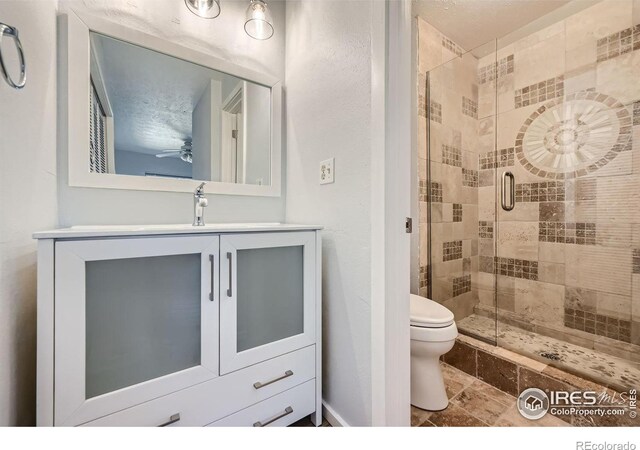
568 250
460 189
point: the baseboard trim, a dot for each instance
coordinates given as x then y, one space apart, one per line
333 417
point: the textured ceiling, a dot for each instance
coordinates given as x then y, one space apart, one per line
152 95
471 23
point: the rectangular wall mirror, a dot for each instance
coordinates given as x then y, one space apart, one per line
163 117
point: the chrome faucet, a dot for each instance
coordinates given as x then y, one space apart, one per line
199 203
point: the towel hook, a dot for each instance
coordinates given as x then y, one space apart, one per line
6 30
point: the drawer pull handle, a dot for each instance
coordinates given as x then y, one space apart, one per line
259 385
172 419
288 410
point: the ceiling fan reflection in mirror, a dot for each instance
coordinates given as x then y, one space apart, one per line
184 153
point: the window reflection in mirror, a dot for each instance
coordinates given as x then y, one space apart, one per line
155 115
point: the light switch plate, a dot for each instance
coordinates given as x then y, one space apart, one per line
326 171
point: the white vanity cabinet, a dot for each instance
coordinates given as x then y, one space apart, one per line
150 326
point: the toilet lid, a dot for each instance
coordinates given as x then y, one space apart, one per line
429 314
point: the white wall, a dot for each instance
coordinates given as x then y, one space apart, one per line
28 172
27 199
328 109
223 37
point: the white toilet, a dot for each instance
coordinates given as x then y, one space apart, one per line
433 333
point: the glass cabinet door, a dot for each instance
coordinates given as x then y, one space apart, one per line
267 296
135 319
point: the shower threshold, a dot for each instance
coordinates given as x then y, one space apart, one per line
617 373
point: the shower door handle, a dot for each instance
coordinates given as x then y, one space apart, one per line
508 206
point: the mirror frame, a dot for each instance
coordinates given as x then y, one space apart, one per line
74 72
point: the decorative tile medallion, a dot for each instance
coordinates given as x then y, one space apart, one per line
574 137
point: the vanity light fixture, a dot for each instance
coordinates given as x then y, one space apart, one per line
207 9
258 24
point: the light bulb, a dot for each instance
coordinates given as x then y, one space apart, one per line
207 9
258 24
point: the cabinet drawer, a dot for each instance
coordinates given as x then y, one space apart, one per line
280 410
212 400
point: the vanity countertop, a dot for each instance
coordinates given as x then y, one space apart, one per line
98 231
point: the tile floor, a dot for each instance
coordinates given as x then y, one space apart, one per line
619 373
474 403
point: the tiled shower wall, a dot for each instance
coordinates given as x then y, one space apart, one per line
566 112
452 188
560 108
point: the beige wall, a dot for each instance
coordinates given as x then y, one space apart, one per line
453 181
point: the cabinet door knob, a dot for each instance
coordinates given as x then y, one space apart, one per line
288 410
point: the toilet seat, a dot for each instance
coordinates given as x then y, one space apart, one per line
426 313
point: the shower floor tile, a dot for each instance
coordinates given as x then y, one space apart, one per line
608 370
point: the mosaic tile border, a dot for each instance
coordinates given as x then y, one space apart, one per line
452 46
461 285
423 194
636 113
424 276
579 233
504 157
422 105
495 70
451 250
598 324
545 191
469 177
469 107
635 261
623 142
619 43
516 268
457 212
485 229
451 155
435 111
435 192
539 92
